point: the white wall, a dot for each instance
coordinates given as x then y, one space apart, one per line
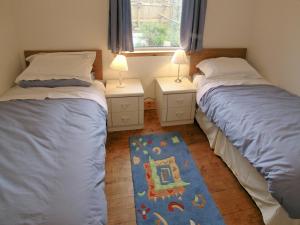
275 44
78 24
9 48
228 23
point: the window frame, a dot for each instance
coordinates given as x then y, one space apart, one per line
157 51
140 53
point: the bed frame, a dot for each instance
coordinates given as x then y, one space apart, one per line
252 181
97 67
214 53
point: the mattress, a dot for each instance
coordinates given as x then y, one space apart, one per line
52 158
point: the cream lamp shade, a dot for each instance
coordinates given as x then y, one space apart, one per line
179 57
119 63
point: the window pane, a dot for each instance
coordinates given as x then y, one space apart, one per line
156 23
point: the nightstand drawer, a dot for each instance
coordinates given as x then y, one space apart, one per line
128 104
125 118
179 100
179 113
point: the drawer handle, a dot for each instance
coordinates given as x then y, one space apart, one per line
179 101
125 119
125 106
179 114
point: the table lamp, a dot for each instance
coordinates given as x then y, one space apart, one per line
120 64
179 58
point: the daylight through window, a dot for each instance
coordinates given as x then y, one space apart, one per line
156 23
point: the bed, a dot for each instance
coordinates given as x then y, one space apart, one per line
225 105
52 154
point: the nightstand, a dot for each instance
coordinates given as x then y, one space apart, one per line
176 102
125 105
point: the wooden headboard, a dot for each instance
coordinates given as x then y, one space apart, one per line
214 53
97 67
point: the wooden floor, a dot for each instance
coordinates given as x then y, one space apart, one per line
234 203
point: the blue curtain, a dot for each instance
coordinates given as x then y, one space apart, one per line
120 27
192 24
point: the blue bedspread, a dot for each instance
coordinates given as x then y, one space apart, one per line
263 123
52 162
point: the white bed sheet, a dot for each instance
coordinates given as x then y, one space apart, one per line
96 92
203 84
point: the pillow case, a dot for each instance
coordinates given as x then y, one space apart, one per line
71 67
226 66
53 83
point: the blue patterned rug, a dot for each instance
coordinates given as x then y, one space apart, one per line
168 188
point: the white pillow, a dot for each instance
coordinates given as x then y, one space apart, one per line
227 66
59 66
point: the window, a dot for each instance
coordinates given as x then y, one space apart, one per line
156 23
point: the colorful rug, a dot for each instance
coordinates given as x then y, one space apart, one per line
168 188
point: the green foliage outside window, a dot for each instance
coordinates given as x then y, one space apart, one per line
157 34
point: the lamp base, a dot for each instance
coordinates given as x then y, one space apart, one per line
178 80
121 85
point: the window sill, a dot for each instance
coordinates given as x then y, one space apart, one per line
149 53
